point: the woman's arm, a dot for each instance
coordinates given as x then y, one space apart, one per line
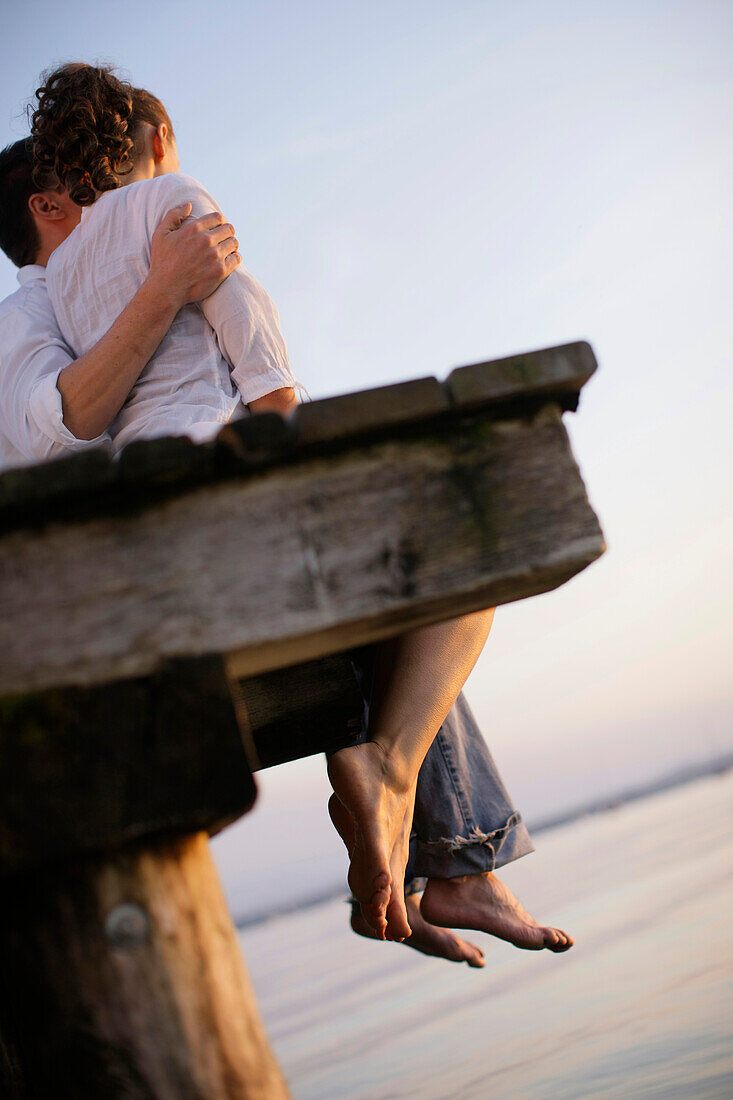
282 401
187 263
246 323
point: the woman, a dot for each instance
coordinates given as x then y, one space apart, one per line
189 386
112 147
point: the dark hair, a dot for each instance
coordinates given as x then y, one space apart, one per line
19 238
146 107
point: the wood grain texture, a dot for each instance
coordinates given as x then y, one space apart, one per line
300 561
123 977
300 710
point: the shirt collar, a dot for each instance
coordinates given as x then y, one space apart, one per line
32 273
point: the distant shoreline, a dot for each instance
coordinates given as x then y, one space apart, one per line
679 777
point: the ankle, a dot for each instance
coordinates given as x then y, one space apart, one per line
463 880
435 883
396 770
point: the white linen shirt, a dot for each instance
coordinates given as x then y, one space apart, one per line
217 356
32 355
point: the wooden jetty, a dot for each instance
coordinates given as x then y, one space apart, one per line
174 620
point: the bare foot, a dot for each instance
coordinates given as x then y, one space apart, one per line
484 903
426 937
372 812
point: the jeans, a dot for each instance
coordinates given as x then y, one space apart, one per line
464 821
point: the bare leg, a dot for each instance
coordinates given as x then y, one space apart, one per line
417 679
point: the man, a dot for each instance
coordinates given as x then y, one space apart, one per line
52 404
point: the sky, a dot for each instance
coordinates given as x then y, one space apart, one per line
425 185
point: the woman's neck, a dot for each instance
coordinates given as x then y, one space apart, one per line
141 171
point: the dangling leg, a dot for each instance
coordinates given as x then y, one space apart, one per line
465 827
417 678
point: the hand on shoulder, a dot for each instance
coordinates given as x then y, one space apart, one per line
191 257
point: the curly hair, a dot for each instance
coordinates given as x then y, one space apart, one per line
81 131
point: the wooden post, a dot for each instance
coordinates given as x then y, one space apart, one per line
122 977
120 971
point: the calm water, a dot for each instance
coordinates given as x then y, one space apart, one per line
641 1006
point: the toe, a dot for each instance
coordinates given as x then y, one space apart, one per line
457 950
475 957
557 940
374 918
551 938
374 910
468 953
398 926
566 941
374 890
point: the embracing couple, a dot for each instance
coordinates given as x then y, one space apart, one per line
135 318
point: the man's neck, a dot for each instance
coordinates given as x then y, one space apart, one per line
49 244
52 234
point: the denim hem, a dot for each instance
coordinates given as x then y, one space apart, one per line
456 843
450 857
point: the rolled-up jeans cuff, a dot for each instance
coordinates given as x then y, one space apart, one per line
450 857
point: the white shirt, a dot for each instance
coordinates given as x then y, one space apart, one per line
32 355
216 357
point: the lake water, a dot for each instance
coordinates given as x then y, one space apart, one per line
640 1007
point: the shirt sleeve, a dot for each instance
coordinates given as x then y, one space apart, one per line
240 311
32 355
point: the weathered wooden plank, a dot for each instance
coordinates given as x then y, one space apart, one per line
112 763
122 976
352 414
91 484
156 463
561 371
301 560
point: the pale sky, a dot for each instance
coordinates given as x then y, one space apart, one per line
421 185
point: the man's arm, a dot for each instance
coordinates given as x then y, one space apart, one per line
51 405
187 263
